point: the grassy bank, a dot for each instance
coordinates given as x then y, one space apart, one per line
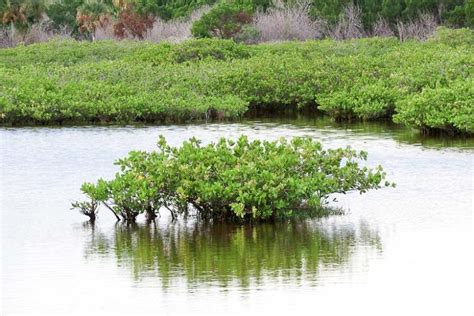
427 85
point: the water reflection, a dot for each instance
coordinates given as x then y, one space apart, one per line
223 254
384 129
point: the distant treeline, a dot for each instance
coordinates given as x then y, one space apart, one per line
82 16
455 13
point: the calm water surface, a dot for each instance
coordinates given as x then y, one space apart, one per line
397 251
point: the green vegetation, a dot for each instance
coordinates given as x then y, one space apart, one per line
427 85
231 180
443 108
225 20
453 12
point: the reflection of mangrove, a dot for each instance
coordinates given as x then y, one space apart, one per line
222 253
434 141
384 129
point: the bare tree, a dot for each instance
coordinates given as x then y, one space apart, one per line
349 24
104 32
175 30
284 22
5 38
420 29
36 33
382 28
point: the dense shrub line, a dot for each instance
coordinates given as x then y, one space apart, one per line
425 84
231 180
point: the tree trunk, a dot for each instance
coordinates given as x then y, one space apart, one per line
113 212
150 214
12 31
92 217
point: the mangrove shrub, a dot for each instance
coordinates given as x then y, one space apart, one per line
233 179
419 84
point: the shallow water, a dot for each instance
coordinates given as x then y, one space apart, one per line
404 250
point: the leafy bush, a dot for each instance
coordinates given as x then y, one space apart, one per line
469 13
234 179
63 14
96 193
448 109
209 48
225 20
69 53
126 81
367 101
458 37
59 98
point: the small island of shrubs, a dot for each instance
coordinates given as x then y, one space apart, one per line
231 180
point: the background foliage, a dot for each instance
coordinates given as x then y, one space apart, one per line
420 84
65 13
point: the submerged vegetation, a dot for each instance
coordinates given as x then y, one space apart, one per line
231 180
426 85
